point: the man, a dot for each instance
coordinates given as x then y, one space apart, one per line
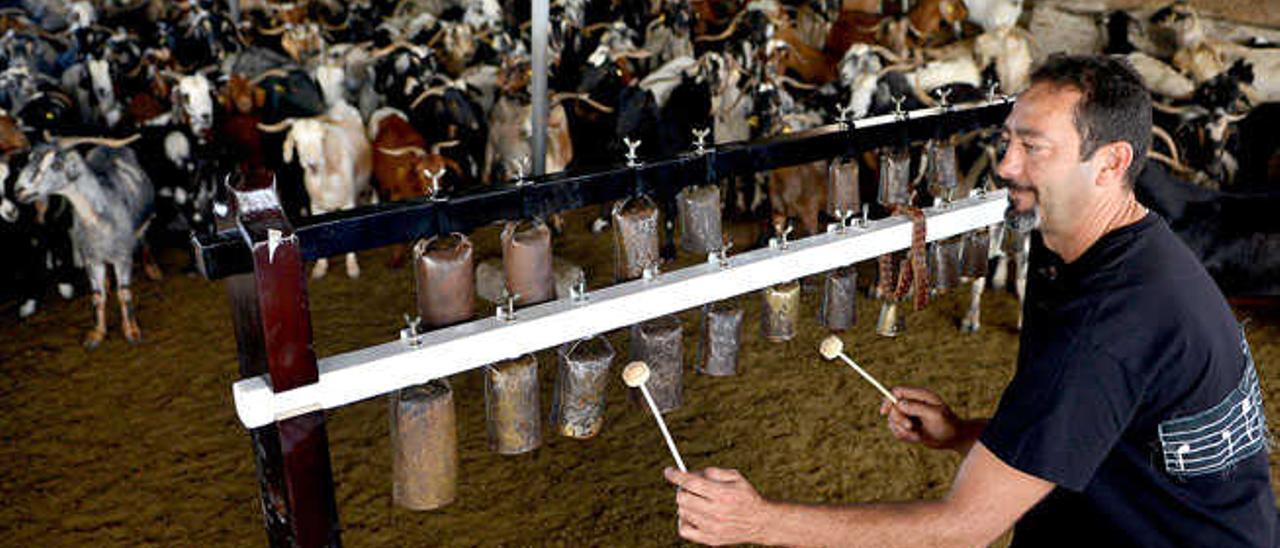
1134 417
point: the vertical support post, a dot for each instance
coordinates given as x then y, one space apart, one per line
541 14
273 328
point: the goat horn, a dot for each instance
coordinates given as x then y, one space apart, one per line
558 97
278 126
795 83
639 53
267 74
1164 136
113 143
273 31
437 90
595 27
733 27
435 149
401 151
1233 118
886 53
1170 109
898 67
1175 164
343 26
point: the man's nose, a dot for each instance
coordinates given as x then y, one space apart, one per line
1010 165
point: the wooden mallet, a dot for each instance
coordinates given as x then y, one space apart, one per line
832 347
635 375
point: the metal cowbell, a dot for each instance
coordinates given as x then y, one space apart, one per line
512 409
699 210
526 261
658 343
635 237
578 402
424 446
444 275
780 316
839 299
721 338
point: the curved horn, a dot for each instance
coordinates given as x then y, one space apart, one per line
104 141
638 53
586 98
795 83
733 27
1164 136
267 74
595 27
899 67
278 126
273 31
1176 165
1233 118
886 53
437 90
343 26
401 151
435 149
1170 109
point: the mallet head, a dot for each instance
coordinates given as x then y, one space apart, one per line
635 374
831 347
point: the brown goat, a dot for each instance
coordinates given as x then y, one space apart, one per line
403 166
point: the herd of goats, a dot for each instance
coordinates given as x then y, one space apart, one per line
119 120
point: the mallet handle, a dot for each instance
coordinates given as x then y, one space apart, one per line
870 379
662 425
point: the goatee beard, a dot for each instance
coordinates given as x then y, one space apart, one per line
1022 222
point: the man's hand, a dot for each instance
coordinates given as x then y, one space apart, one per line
718 506
922 417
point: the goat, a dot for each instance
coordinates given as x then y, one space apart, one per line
112 200
91 82
336 160
403 167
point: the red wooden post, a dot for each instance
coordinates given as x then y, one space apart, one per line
273 328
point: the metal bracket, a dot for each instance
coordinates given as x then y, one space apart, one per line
410 335
578 291
780 242
521 165
720 256
943 94
650 272
700 140
843 117
435 184
633 159
507 309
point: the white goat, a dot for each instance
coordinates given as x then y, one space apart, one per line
336 160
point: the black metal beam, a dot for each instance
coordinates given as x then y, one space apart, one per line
367 227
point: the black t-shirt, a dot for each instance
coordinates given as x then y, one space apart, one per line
1136 396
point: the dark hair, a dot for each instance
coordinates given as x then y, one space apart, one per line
1114 103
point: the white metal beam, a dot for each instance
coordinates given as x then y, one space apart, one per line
381 369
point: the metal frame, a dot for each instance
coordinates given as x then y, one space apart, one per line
382 369
367 227
284 392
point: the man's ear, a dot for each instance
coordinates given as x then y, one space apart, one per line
1115 160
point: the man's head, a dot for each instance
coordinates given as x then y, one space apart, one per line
1077 137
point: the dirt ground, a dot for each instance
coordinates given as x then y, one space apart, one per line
140 446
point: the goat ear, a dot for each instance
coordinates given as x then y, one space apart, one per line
288 147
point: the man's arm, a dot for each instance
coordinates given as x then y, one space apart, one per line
988 496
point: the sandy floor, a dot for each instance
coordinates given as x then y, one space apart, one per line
140 446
